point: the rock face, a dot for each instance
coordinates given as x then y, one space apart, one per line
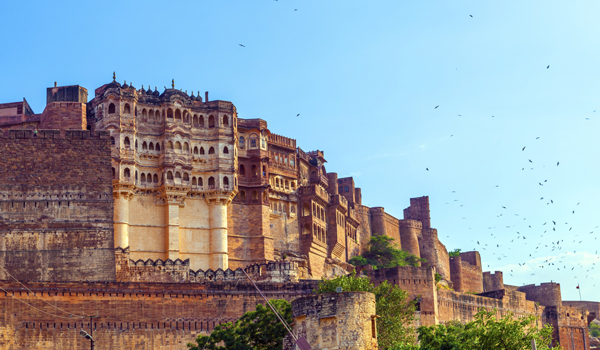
344 321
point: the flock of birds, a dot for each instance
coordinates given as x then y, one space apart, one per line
544 254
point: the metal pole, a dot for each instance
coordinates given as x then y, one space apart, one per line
92 332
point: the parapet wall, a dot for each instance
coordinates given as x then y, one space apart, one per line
547 294
56 206
493 281
137 316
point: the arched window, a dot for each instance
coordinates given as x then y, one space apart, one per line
155 178
306 209
276 182
178 146
158 146
211 121
169 145
177 175
194 181
186 177
143 178
169 175
158 117
254 141
306 229
186 117
151 116
127 109
225 121
126 142
199 181
113 169
144 146
169 113
112 140
135 144
293 184
144 115
151 146
287 185
254 195
225 150
226 181
201 121
177 115
211 150
195 150
126 172
265 195
136 176
111 108
186 147
293 209
280 208
243 195
242 170
211 182
264 171
195 120
201 150
254 172
242 141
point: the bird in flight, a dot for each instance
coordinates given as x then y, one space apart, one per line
548 67
436 107
523 148
427 169
297 115
242 45
471 16
557 163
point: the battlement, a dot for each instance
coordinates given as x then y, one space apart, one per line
547 294
282 141
493 281
53 134
409 223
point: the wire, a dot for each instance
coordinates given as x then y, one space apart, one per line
40 310
224 308
35 294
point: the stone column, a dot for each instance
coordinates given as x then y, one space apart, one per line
218 232
121 224
172 230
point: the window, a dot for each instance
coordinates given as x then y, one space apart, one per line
226 150
126 172
196 150
144 115
195 120
158 147
151 116
201 121
111 108
306 209
243 195
186 147
226 181
126 142
264 170
135 144
112 140
169 113
194 181
186 117
169 145
177 115
211 150
186 177
253 141
143 178
155 178
199 181
254 171
178 146
211 121
169 175
346 189
211 182
144 146
242 141
151 146
113 170
126 109
254 195
178 175
225 121
201 150
242 170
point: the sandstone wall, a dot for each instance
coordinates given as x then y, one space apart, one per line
56 206
249 235
135 316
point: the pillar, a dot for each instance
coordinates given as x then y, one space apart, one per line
172 230
218 233
121 217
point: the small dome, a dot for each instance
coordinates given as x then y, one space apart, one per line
125 86
156 93
149 92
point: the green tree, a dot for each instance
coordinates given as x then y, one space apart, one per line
486 332
594 329
255 330
383 253
392 305
455 252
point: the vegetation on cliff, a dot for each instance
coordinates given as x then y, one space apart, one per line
255 330
396 311
483 333
383 252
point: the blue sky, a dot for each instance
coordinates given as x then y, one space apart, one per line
366 77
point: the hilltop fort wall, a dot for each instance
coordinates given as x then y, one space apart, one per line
56 206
